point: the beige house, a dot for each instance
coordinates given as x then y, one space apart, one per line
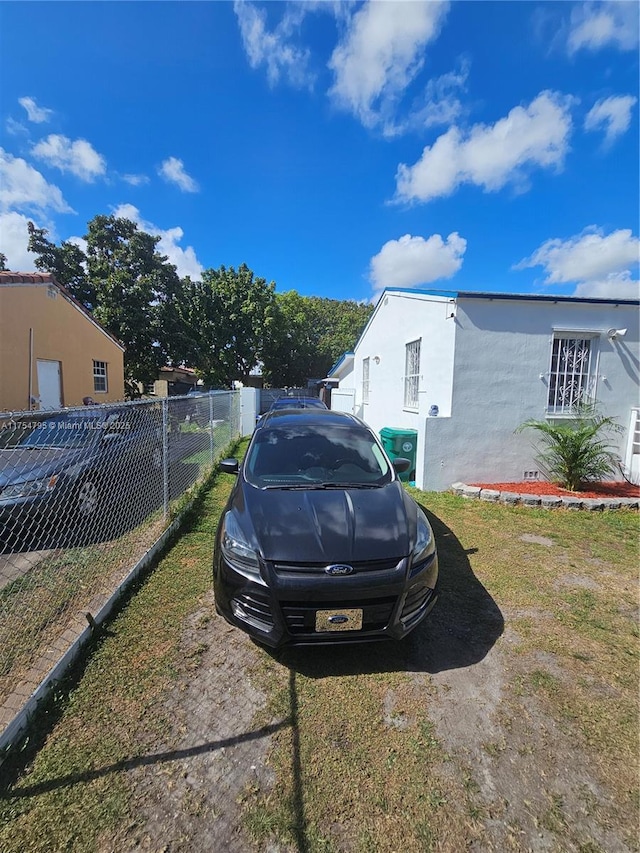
52 352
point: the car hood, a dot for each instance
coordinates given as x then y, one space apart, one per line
30 463
328 525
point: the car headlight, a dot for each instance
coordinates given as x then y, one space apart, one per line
424 540
30 488
237 551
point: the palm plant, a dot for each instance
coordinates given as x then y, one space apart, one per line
578 451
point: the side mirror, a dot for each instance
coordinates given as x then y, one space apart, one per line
400 465
229 466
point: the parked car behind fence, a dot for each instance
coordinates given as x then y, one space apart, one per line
84 493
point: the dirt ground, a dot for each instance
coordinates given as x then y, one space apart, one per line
186 794
532 786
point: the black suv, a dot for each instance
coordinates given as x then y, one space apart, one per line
319 541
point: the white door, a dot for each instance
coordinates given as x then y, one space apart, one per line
49 384
632 456
343 399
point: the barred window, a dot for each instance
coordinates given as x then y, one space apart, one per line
100 376
365 380
572 375
412 375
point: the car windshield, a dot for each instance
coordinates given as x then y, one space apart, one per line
298 403
73 429
316 456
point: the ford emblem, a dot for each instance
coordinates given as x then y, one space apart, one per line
338 619
339 569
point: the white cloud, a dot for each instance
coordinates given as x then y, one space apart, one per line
614 286
414 261
491 156
135 180
381 54
597 25
184 260
439 104
443 105
599 264
16 128
275 49
79 157
14 239
172 170
611 114
80 242
22 186
36 114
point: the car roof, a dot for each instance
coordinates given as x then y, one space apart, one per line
297 400
310 417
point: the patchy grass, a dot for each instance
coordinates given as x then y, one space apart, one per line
361 767
351 764
104 719
345 771
38 606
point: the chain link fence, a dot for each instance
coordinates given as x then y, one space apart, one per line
84 494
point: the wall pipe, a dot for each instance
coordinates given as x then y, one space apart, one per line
30 368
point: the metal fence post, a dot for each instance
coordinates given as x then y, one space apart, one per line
211 446
165 457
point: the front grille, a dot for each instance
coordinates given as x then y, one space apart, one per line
300 617
318 568
257 606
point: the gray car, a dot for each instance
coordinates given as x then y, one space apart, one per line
67 464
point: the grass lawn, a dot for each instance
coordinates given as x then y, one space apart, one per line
535 638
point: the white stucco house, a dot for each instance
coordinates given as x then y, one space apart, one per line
464 369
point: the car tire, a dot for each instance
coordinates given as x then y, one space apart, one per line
87 498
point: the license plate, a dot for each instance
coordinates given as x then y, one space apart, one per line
339 620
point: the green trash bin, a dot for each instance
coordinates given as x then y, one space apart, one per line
401 444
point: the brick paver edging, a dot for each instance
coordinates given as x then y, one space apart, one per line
544 501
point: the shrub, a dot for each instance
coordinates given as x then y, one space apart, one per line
576 452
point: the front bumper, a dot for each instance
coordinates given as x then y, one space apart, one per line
18 515
392 598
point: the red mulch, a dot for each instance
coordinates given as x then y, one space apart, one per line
540 487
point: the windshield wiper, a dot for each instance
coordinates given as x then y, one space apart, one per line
307 486
36 447
356 485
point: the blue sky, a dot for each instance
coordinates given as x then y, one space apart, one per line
335 148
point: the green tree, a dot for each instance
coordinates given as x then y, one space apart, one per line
130 288
309 335
3 263
224 325
576 452
289 351
132 283
344 321
67 262
228 317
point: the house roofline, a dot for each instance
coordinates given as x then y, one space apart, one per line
480 294
524 297
343 358
11 278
